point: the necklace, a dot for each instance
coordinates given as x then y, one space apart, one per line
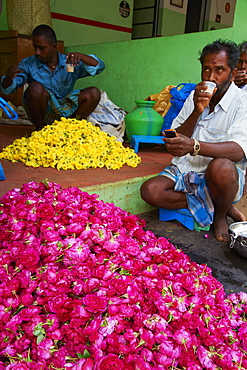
52 66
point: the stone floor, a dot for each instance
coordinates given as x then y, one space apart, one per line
202 247
227 266
153 161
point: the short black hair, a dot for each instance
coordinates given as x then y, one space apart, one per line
230 47
46 31
243 47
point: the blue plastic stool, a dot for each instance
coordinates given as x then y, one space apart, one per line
181 215
137 139
2 175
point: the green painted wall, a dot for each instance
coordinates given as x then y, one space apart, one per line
124 194
74 34
138 68
209 24
3 19
106 11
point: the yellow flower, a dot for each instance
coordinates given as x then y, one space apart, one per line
70 144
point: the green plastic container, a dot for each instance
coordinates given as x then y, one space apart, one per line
143 120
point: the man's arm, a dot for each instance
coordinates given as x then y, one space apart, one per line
14 78
201 101
240 78
85 65
11 74
234 147
183 145
229 149
76 58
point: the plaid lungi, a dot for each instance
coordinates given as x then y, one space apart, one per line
198 198
58 108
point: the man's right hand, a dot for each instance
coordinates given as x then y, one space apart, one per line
201 97
12 72
240 78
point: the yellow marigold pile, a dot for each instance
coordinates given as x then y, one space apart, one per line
70 144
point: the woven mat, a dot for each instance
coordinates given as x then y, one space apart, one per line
25 15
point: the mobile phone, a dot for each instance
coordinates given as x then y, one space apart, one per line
170 133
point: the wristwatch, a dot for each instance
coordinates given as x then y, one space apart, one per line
196 148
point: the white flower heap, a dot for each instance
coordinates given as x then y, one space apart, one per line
85 287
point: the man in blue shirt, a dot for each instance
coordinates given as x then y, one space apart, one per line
50 86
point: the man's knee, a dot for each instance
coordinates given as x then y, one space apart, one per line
145 190
90 94
95 92
222 170
152 189
34 90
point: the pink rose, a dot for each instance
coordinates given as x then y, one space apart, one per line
111 245
46 211
74 228
44 349
64 308
27 299
110 362
91 284
94 303
29 259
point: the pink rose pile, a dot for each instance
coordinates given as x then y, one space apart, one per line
83 286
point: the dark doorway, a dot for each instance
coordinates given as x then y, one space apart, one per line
195 15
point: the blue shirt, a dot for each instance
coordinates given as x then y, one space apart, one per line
60 82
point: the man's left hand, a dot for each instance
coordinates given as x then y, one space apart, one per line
76 58
73 58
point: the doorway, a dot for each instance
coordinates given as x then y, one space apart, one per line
195 17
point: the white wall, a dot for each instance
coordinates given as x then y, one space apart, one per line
224 8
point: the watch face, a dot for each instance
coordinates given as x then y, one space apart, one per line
196 148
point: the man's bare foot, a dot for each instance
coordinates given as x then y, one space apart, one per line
221 225
235 214
221 230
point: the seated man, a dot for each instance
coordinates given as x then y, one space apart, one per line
241 76
50 86
241 79
207 172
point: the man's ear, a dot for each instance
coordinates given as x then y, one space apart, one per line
233 74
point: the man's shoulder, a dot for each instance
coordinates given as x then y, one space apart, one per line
244 88
234 99
190 99
235 89
62 58
240 95
29 60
